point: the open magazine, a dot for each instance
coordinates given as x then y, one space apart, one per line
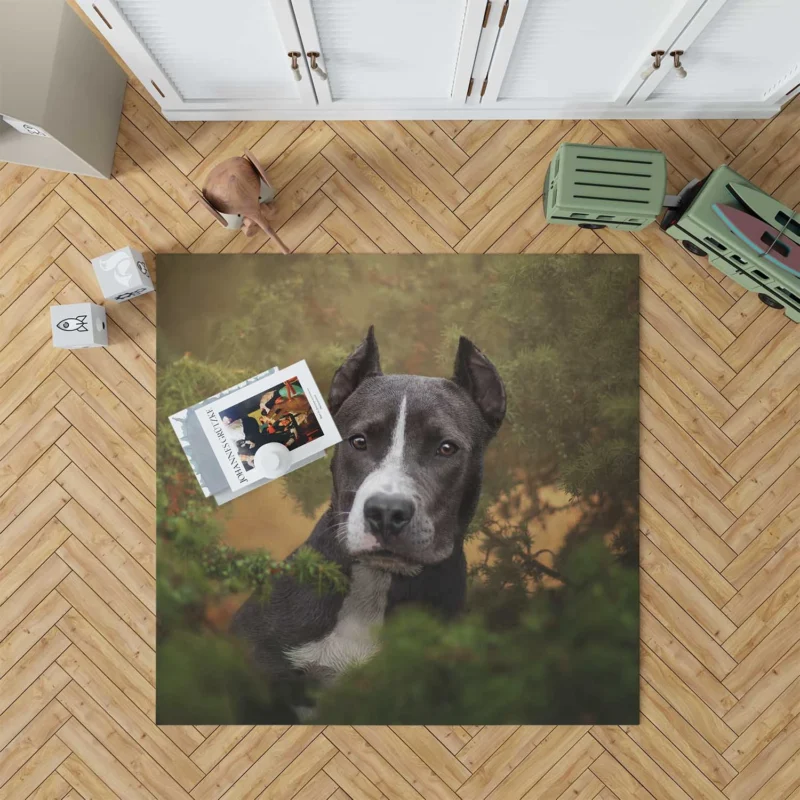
226 437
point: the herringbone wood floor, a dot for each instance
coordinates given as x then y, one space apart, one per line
720 508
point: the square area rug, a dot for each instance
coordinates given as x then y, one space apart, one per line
466 554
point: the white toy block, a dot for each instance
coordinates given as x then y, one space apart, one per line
78 325
122 274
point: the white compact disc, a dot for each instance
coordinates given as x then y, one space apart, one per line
273 459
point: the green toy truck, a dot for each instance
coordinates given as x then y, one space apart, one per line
598 187
702 232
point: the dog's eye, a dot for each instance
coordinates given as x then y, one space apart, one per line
447 449
359 442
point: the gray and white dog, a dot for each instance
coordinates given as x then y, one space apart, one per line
406 482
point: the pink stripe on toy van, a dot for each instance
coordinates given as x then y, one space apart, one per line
764 239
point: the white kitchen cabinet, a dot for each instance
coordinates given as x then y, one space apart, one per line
207 56
564 53
412 54
393 59
744 52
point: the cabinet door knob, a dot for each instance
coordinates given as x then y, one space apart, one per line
657 56
676 58
313 56
294 55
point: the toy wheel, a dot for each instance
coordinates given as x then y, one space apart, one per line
769 301
694 249
592 226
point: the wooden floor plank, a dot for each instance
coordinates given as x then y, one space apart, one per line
108 516
683 736
437 143
99 760
107 405
83 781
497 212
427 169
475 133
144 153
36 733
30 267
775 591
209 135
26 198
108 660
152 197
683 680
353 204
389 202
501 180
31 593
381 159
491 154
12 176
159 131
31 484
107 586
293 158
768 433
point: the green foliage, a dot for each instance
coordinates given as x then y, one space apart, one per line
570 656
201 678
203 675
548 637
309 487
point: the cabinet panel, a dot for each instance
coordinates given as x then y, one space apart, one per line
389 53
207 53
746 52
583 51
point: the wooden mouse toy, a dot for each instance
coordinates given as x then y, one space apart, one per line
236 193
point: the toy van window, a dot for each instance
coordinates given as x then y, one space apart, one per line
737 259
580 216
759 274
634 220
714 243
604 216
787 293
792 225
778 247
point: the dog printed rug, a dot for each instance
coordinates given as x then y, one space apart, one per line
467 554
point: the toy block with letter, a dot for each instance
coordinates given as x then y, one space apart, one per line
122 274
78 325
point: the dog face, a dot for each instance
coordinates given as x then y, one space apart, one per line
407 474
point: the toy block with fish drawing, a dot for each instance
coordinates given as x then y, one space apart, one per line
78 325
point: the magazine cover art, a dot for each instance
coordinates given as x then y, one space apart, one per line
284 408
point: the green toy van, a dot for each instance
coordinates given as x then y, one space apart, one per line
702 232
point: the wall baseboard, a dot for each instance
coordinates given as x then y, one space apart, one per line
715 111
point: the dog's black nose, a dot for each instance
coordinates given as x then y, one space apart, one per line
388 513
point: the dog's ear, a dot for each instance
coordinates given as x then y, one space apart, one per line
475 373
364 362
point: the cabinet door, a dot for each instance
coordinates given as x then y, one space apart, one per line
569 54
391 55
207 54
747 52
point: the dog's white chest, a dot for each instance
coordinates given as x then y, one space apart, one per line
353 638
